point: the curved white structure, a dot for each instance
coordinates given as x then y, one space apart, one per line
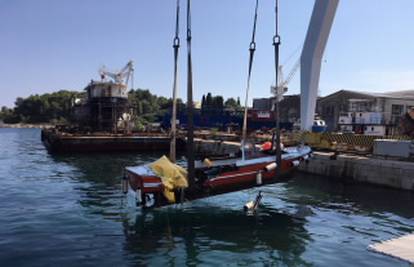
316 38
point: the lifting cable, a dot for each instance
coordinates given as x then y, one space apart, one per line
176 46
252 49
190 106
276 44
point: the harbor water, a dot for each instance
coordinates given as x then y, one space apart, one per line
68 210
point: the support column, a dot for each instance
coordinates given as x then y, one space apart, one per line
316 38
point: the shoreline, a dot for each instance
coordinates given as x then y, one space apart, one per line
27 125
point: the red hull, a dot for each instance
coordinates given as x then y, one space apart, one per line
246 175
242 177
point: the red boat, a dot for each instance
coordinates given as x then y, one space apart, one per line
213 177
162 182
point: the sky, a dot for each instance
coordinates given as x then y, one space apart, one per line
49 45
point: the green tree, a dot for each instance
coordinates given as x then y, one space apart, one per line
203 104
209 101
230 103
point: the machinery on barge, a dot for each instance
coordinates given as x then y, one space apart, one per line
106 106
104 119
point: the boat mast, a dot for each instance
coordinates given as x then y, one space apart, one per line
190 105
176 46
276 44
252 49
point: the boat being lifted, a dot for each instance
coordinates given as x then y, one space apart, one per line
163 183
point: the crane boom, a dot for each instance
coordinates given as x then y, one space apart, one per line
284 82
123 76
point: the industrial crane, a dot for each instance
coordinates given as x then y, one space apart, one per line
282 83
123 76
293 71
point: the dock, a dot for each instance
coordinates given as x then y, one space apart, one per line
401 248
362 169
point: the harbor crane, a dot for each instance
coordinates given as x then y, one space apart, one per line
282 84
123 76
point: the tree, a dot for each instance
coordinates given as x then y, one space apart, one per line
231 103
209 101
218 104
203 104
43 108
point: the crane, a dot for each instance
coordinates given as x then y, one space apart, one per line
123 76
282 83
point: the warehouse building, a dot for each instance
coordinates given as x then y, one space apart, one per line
365 112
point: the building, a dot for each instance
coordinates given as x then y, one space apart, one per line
104 106
365 112
289 107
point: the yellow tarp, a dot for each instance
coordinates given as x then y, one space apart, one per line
172 176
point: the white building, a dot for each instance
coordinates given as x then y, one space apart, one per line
363 112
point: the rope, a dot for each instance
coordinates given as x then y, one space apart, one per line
176 46
252 49
190 122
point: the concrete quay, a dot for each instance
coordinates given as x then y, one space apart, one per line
384 172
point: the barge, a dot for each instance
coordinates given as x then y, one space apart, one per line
61 142
103 120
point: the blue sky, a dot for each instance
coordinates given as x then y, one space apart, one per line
48 45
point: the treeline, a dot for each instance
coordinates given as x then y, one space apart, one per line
57 107
54 107
216 105
149 107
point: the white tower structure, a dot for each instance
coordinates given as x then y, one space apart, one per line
316 38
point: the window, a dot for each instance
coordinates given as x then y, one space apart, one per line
397 110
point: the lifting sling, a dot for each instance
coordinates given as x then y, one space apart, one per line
252 49
176 46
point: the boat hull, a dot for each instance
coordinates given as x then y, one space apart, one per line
229 177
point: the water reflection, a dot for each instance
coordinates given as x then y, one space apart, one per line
97 179
189 235
350 197
102 168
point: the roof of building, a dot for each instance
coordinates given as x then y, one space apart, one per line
406 94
